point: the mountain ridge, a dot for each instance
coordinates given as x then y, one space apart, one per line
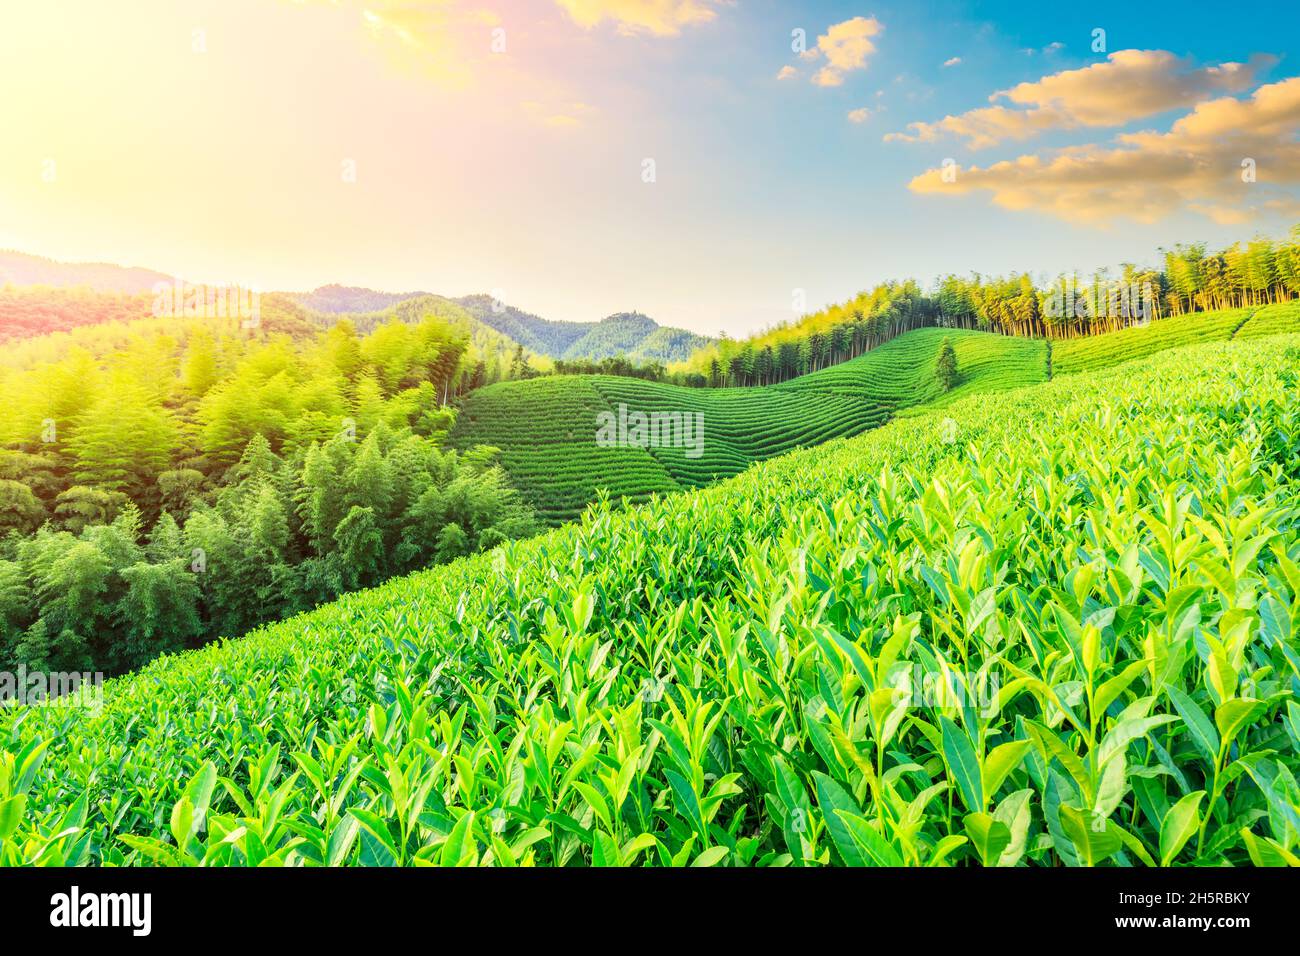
633 335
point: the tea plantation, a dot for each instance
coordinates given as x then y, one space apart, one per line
546 428
1054 625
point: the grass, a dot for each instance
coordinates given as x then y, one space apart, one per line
1048 626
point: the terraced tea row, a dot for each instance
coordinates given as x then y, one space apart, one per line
740 425
1103 351
901 373
546 431
1278 319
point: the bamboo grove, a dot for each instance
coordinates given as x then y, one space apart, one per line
165 483
1191 279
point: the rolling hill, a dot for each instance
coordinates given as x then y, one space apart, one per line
547 429
630 334
497 326
714 678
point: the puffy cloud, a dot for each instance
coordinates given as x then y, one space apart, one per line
860 115
845 47
657 17
1128 85
787 73
951 61
1198 165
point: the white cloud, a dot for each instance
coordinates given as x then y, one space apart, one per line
656 17
846 47
1196 165
952 61
859 115
1128 85
787 73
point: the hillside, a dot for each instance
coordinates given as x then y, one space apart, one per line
499 326
715 678
543 336
1103 351
547 430
30 311
1192 279
619 334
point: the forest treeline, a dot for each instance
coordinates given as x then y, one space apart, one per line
1191 279
162 484
39 310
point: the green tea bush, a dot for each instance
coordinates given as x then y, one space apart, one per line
1049 626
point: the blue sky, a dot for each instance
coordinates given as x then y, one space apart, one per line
522 170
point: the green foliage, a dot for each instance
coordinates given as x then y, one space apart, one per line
1068 637
194 480
1271 320
1103 351
946 366
20 509
545 429
280 536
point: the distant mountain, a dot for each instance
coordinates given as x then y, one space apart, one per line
494 326
417 308
668 345
543 336
19 268
332 299
636 336
618 334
